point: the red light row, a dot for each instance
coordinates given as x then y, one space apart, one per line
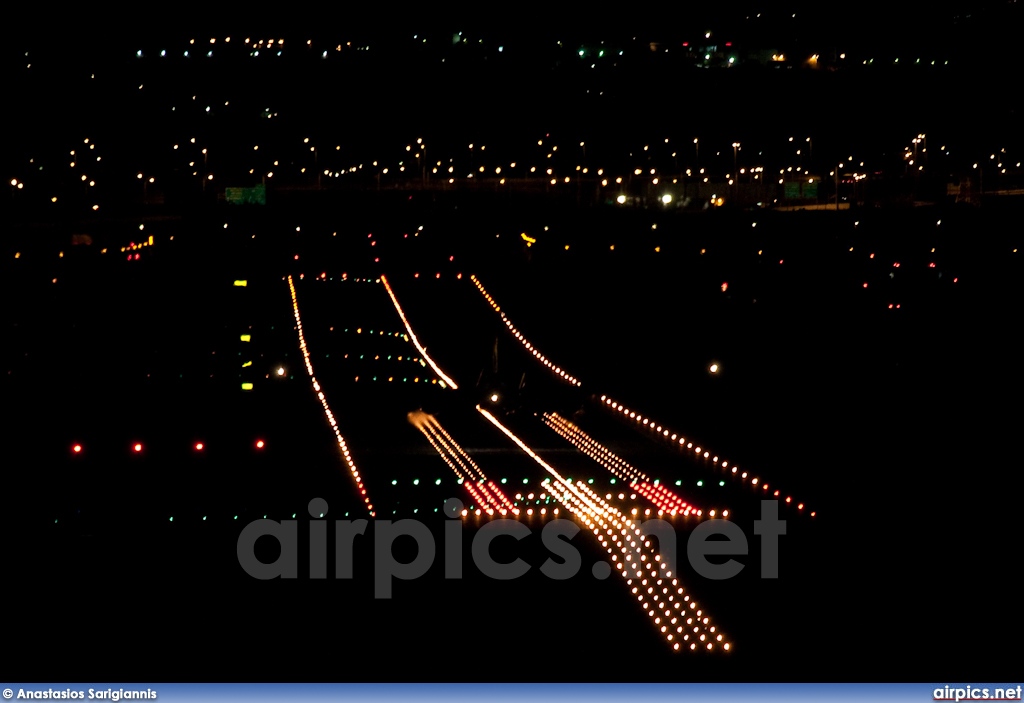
137 447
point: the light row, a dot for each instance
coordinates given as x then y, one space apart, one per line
680 441
342 445
138 447
519 336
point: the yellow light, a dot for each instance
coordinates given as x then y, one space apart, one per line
241 284
246 386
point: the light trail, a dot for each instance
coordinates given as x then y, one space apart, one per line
486 494
342 445
670 608
519 336
647 422
412 335
698 451
665 500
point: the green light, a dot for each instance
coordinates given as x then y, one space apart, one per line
591 481
293 515
236 517
437 482
657 481
394 482
172 519
204 517
600 53
526 480
613 482
700 483
679 483
504 480
721 483
415 482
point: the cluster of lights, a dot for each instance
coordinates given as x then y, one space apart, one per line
666 602
698 451
665 500
672 610
342 445
519 336
483 491
412 335
668 502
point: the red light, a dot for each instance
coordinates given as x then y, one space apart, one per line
137 448
728 43
136 257
77 449
686 43
199 446
865 285
259 444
